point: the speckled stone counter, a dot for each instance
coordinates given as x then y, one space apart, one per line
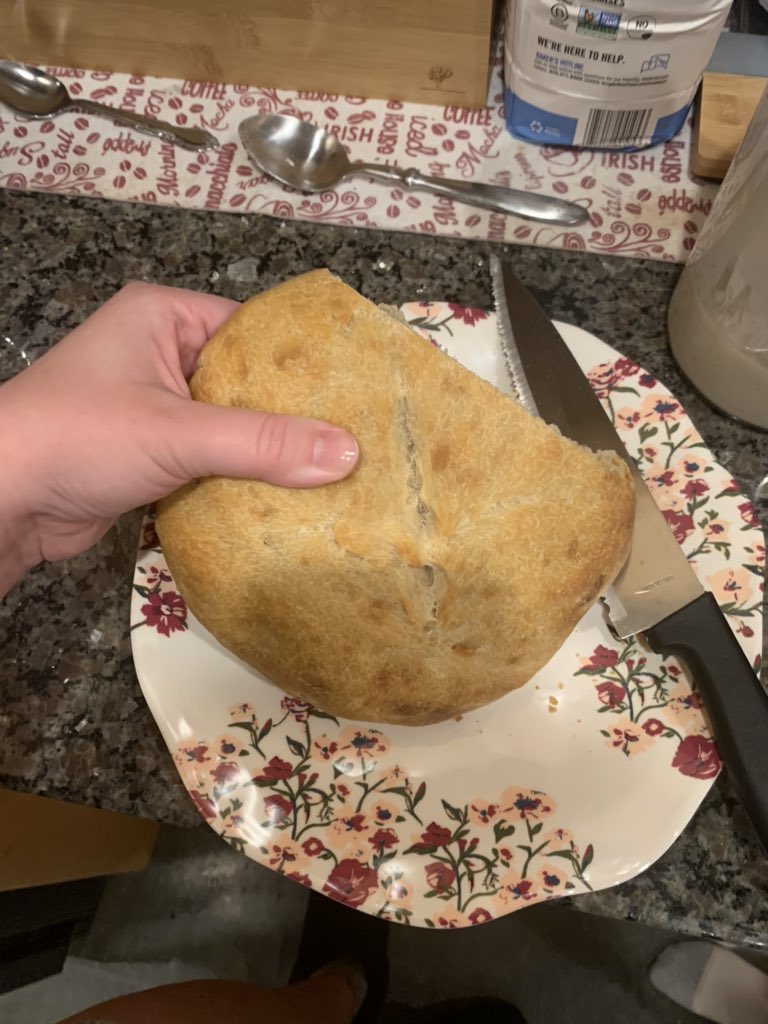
73 724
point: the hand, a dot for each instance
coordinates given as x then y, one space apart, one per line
103 423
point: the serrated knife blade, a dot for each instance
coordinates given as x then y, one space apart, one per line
657 593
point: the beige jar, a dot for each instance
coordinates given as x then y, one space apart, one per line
718 316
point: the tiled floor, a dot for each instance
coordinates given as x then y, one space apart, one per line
201 910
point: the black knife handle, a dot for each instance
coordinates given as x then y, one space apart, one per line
735 701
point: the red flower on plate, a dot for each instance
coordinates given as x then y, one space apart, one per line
204 804
480 915
653 727
611 694
166 612
149 538
382 839
298 708
749 514
351 882
302 879
694 489
312 847
275 771
679 523
697 756
440 877
225 772
603 657
278 808
467 314
434 835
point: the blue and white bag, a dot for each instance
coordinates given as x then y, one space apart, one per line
612 74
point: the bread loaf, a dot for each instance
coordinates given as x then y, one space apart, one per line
444 572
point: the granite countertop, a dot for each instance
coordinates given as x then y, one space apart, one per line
73 723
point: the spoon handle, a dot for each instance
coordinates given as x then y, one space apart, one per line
529 205
188 138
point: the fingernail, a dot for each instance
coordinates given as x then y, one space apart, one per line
335 452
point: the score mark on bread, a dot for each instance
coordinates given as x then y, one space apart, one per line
444 572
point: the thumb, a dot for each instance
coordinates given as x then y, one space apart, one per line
289 451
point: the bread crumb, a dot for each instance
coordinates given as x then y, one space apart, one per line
552 707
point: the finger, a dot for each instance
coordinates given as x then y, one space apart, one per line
290 451
181 321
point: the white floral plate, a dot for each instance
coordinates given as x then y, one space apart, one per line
580 780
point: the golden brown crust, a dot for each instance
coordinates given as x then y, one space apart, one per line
444 572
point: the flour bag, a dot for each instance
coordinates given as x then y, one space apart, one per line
613 74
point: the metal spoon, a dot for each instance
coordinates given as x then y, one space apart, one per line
305 157
34 93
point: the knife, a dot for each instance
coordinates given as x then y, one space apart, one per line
657 593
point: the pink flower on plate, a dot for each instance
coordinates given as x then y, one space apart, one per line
383 812
717 530
166 612
697 757
527 804
198 753
349 828
324 748
351 883
626 418
285 855
660 481
467 314
552 876
627 736
399 893
732 585
557 839
481 812
244 710
661 407
394 778
685 707
603 378
228 746
516 890
360 749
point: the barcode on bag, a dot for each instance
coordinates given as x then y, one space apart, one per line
617 127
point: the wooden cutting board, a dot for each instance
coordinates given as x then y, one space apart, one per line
423 51
725 108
